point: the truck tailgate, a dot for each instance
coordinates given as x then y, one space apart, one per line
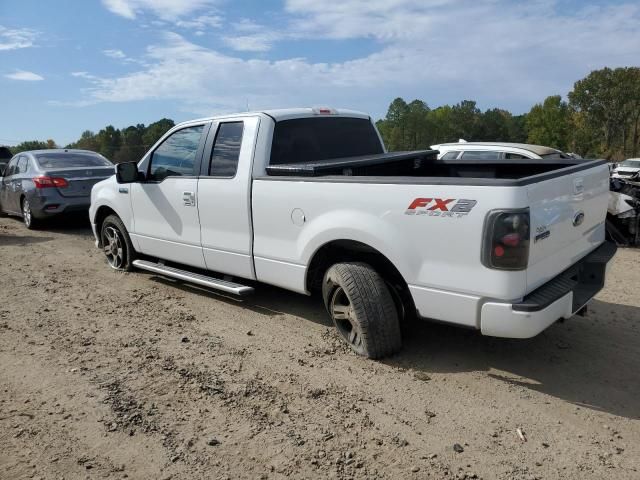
567 221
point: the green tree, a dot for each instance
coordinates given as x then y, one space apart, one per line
548 123
132 148
109 140
30 145
494 126
87 141
155 130
608 101
466 119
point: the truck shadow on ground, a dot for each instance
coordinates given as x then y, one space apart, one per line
591 362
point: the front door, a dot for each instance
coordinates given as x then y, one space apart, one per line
7 190
165 211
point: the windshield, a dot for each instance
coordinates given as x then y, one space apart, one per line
631 163
323 138
70 160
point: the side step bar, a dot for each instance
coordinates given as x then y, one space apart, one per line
198 279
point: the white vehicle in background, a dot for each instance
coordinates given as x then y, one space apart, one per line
463 150
627 169
309 200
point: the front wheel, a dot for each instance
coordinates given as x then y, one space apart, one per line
362 309
116 244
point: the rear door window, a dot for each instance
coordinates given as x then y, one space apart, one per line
481 155
176 156
226 150
450 155
514 156
23 164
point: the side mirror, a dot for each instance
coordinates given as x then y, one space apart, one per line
127 172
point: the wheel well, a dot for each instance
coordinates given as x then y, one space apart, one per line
349 251
102 213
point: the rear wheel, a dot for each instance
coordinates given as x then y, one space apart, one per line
362 309
116 244
27 215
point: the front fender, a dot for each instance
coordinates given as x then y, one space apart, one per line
117 197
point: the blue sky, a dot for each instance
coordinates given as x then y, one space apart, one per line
71 65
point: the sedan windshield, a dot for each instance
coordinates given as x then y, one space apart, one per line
631 163
70 160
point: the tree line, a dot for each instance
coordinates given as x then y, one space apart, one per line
600 119
118 145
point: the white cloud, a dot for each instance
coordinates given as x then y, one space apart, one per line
165 9
496 51
250 36
249 43
24 75
13 39
114 53
201 23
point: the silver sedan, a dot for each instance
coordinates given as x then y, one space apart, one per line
45 183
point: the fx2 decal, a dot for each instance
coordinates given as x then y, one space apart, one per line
441 207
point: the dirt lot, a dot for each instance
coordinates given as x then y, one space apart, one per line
109 375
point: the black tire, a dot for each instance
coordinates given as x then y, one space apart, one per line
362 309
27 214
116 244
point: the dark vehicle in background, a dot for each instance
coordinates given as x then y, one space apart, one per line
45 183
5 156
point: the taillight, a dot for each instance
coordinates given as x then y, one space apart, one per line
50 182
506 240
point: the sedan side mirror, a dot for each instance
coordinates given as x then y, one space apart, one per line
127 172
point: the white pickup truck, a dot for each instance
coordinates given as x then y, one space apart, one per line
309 200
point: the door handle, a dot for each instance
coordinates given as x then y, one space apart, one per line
189 198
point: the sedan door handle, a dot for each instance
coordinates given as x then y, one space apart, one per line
189 198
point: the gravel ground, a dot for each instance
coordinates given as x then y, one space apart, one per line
111 375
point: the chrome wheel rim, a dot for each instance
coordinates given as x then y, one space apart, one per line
26 212
344 318
113 247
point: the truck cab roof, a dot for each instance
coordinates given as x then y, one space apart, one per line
288 114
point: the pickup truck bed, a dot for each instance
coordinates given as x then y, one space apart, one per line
424 165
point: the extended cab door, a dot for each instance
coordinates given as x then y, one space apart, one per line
164 205
224 192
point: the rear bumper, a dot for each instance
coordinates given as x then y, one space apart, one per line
54 204
559 298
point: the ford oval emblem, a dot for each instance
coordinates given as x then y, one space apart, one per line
578 218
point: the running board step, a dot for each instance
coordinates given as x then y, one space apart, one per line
198 279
